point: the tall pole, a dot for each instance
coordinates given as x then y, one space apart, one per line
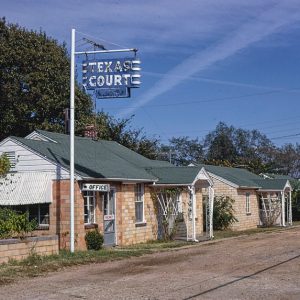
72 109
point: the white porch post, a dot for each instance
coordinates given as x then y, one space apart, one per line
290 208
282 209
194 212
211 197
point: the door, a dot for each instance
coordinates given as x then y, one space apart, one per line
109 218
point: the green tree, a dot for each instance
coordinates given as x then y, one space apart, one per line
34 82
182 150
4 165
223 215
236 147
121 131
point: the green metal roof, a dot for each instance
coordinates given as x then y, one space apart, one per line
271 184
239 177
96 159
175 175
278 176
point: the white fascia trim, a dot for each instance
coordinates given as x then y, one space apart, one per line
32 134
171 184
288 185
204 173
269 190
44 157
5 140
123 180
223 180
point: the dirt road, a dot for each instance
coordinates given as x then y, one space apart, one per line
264 266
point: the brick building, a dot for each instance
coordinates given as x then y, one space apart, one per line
256 197
118 191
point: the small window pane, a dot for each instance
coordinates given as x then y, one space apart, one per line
139 203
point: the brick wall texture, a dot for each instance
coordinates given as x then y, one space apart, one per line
20 249
245 221
127 230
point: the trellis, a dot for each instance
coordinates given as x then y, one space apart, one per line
169 203
271 206
275 205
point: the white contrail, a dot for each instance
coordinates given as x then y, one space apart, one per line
266 24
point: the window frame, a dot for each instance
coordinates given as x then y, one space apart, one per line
89 200
28 209
139 200
248 210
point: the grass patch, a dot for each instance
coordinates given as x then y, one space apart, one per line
229 233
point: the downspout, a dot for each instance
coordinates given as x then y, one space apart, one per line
192 191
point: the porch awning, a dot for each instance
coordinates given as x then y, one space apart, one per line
26 188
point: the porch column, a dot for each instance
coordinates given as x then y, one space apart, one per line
194 212
282 209
211 193
290 208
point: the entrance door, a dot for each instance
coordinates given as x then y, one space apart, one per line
109 218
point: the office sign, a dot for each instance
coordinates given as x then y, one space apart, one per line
96 187
111 78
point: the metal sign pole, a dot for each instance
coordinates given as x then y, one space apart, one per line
133 83
72 131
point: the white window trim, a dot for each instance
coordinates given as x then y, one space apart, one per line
142 201
88 204
248 210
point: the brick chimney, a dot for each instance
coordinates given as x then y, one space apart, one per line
90 132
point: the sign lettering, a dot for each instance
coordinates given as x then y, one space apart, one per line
96 187
113 75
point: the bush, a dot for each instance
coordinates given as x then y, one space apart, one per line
14 224
94 240
223 215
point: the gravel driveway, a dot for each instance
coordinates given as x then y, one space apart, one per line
262 266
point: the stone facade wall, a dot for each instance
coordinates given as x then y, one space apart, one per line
21 249
245 221
128 231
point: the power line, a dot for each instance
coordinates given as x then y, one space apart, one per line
285 136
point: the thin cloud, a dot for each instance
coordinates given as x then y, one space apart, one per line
268 23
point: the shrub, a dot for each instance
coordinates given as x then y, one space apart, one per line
14 224
94 240
223 215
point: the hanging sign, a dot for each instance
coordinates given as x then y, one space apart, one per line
96 187
111 78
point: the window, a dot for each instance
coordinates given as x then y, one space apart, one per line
139 203
89 206
38 212
248 203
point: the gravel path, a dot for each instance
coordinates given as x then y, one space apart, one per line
263 266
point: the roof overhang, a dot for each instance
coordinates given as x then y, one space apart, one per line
123 180
41 136
26 188
286 186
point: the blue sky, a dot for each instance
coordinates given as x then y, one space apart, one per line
203 61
